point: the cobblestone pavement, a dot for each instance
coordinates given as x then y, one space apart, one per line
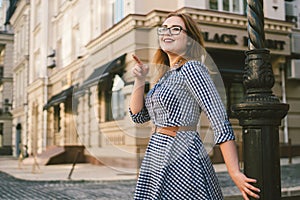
12 188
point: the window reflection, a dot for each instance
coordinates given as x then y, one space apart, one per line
117 100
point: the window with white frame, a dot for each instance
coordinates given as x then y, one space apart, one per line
37 64
37 13
118 10
17 44
19 90
233 6
75 42
96 18
58 53
20 42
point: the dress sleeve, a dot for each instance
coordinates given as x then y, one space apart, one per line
140 117
203 89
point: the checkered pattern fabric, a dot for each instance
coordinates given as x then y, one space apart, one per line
179 168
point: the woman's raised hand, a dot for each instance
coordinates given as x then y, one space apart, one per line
139 70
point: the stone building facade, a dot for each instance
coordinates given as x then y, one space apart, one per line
6 84
72 62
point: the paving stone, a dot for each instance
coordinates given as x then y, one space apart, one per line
13 188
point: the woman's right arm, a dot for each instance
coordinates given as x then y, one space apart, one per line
140 72
137 97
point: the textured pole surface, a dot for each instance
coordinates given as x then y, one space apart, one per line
256 31
260 112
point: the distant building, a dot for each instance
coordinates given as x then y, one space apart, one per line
72 61
6 83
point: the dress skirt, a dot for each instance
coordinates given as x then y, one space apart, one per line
177 168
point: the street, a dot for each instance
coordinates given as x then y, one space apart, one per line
12 188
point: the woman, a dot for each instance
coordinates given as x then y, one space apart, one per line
176 165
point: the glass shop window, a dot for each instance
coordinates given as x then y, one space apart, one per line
111 98
57 118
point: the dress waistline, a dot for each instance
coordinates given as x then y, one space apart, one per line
172 130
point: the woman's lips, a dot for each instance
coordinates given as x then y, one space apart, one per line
168 40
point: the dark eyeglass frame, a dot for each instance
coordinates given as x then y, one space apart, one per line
163 30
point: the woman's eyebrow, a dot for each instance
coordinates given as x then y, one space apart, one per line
171 26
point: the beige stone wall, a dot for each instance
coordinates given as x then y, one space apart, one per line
35 117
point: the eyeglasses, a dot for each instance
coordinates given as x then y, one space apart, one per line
174 30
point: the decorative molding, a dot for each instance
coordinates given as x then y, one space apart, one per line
235 20
156 17
255 114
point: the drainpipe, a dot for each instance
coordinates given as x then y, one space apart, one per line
285 121
45 115
45 74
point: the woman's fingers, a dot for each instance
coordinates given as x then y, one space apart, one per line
251 180
245 196
137 60
251 193
245 185
249 189
250 186
139 70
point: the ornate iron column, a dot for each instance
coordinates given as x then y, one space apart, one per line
260 112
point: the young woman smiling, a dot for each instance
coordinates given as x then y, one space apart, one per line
176 165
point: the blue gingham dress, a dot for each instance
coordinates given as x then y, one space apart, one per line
179 167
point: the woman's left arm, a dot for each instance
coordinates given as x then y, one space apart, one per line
229 153
202 87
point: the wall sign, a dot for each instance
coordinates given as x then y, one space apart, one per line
220 38
230 39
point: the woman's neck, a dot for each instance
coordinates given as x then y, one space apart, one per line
175 61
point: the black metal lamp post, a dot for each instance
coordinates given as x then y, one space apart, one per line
260 112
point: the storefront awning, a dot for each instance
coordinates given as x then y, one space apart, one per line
103 71
59 98
100 73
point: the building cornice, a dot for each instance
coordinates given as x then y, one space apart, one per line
73 69
203 17
230 20
6 37
35 85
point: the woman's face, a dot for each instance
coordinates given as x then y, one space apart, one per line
173 43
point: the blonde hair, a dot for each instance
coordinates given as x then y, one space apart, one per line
194 50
